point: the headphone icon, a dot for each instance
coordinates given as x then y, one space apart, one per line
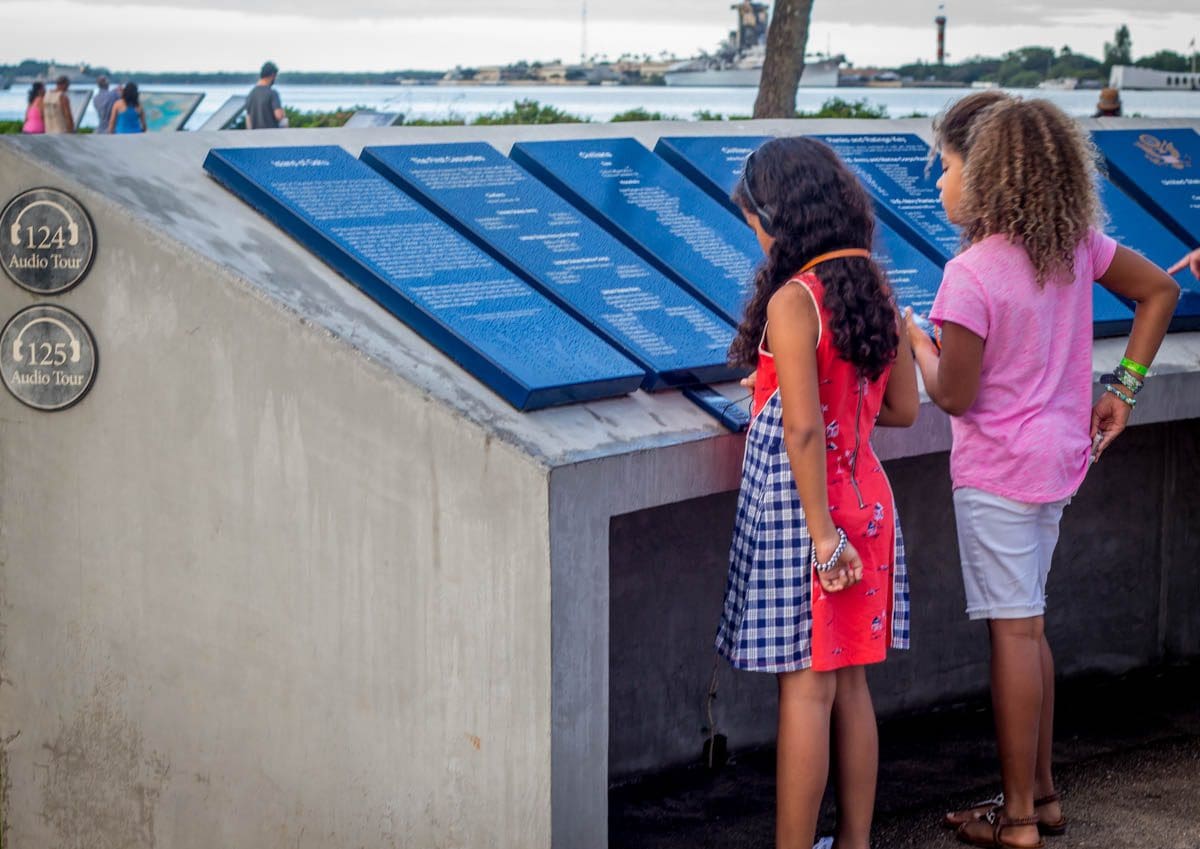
75 347
72 227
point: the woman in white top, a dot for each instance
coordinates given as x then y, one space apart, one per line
57 108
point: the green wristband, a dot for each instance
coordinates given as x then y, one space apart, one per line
1136 368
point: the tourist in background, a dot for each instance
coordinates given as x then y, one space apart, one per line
817 587
1015 374
264 111
127 115
103 103
1109 104
56 109
1191 261
34 122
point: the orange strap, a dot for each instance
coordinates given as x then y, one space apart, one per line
844 252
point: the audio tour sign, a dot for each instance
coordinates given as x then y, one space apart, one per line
47 357
46 241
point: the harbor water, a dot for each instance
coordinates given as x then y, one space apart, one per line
601 103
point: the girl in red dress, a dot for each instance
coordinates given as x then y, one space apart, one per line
817 587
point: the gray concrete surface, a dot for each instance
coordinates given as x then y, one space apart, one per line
1127 753
288 577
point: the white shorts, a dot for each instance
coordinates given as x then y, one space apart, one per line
1005 547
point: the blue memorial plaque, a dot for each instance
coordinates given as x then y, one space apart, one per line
893 170
464 303
655 210
1136 228
1161 170
568 256
892 167
715 164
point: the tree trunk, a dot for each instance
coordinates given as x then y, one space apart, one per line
787 39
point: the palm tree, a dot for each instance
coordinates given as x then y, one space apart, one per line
787 39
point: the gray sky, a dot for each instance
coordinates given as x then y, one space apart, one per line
387 34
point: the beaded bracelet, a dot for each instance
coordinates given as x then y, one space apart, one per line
1129 380
1115 391
1125 378
837 554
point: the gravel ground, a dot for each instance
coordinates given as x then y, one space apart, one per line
1127 748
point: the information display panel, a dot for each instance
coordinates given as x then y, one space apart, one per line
573 260
715 164
1134 227
371 118
654 209
1161 170
226 115
168 111
893 169
80 99
495 325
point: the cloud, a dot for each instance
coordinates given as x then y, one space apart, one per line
658 11
894 12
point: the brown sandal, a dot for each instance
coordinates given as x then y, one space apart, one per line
995 839
954 819
1051 829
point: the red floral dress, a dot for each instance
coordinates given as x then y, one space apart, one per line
777 617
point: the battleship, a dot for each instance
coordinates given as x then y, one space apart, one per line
738 60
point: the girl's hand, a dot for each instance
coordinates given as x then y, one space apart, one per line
1109 418
1191 261
917 338
845 574
749 380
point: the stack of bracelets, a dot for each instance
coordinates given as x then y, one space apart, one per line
1129 375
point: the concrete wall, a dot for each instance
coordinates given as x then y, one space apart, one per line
1123 592
258 590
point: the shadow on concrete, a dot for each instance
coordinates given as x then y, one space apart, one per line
1127 750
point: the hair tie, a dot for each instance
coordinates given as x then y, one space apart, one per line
841 254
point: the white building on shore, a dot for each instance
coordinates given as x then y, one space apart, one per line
1131 77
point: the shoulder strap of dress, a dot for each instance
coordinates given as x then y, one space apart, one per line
801 280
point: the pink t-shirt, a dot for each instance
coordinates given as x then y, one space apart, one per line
1026 435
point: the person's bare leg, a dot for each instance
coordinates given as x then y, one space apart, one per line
1017 704
1043 784
802 755
856 748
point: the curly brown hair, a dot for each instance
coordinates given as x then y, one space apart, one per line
1029 174
810 202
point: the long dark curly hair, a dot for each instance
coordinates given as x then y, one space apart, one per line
810 203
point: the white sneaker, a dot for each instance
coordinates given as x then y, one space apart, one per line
824 843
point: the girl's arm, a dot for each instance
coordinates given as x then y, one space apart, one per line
951 379
142 118
1134 277
900 400
792 327
112 116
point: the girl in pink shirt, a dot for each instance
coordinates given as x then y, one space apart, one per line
1015 374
